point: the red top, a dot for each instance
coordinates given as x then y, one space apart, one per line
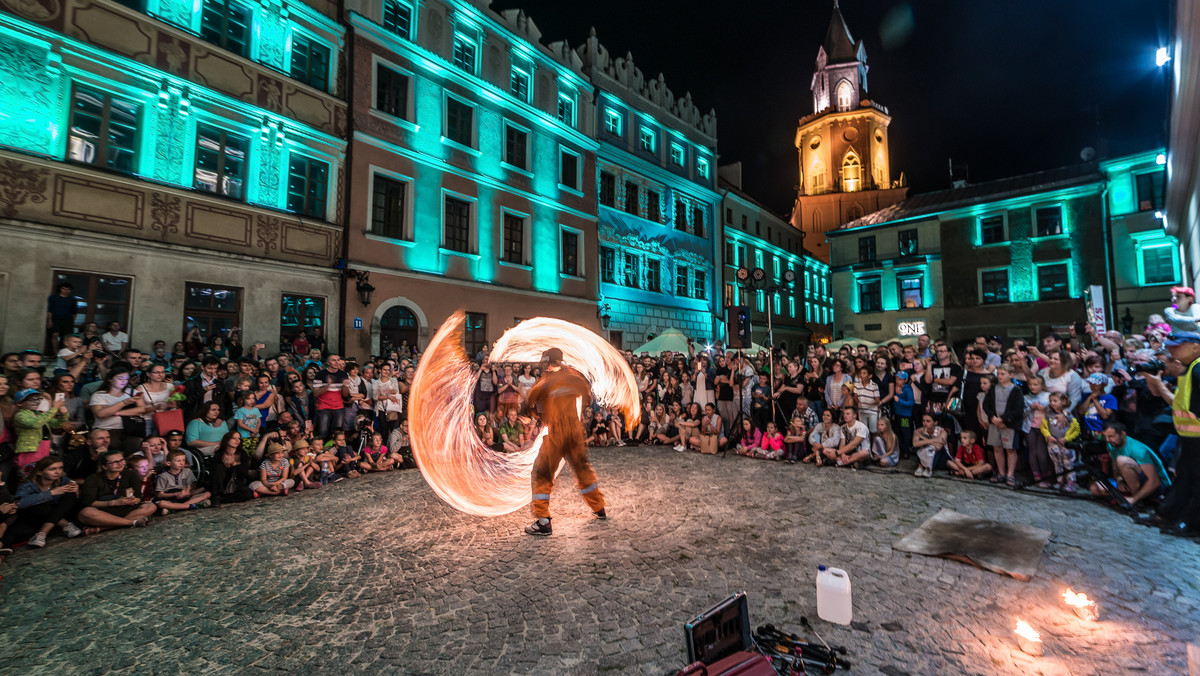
969 456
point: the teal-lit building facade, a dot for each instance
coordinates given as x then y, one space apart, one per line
656 195
181 164
473 155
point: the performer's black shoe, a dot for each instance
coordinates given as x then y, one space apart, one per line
601 515
539 527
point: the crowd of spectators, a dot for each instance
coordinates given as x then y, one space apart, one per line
104 435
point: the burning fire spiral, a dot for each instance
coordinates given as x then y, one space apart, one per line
466 474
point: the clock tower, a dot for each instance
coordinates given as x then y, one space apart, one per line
842 147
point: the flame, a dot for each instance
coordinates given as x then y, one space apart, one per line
1026 632
462 471
1077 600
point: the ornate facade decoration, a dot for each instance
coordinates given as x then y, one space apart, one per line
164 212
20 184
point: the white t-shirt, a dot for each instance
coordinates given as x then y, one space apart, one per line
105 400
858 429
114 343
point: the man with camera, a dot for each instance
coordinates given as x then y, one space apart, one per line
1180 511
1136 470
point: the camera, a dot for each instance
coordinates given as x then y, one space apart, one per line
1089 448
1152 366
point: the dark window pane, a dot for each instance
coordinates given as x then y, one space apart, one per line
514 239
391 92
1049 221
1158 264
608 263
569 169
397 17
226 24
866 249
516 144
388 208
458 225
991 230
1053 281
994 285
608 189
869 295
908 242
1150 190
653 209
570 253
459 118
307 186
631 197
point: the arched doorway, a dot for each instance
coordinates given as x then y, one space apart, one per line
397 324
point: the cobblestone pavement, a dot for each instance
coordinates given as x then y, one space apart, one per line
377 575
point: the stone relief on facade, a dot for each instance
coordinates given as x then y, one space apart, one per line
20 184
35 10
268 233
30 91
164 212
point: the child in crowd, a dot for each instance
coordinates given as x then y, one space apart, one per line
1002 407
770 446
304 460
711 436
827 435
902 410
968 460
347 458
1037 402
793 441
141 465
1060 428
375 456
748 439
885 447
273 473
247 420
176 486
599 433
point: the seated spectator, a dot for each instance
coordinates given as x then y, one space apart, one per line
770 445
273 473
110 496
825 436
793 438
511 432
176 487
42 504
599 433
688 425
34 428
667 432
885 447
204 433
1137 472
304 464
749 438
968 460
856 440
400 444
484 430
657 422
712 436
929 439
154 449
375 456
229 478
141 464
347 458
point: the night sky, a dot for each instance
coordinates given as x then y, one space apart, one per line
1007 87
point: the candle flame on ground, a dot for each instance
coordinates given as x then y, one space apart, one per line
1077 600
1025 631
464 472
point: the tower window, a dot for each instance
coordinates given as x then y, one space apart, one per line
851 173
845 95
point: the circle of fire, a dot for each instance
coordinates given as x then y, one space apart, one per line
458 467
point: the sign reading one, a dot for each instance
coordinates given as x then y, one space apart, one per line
912 328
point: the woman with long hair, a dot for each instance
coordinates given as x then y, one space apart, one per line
112 403
885 448
204 434
44 503
835 385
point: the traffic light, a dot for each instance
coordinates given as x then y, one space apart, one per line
738 323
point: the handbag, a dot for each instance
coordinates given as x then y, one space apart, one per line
135 425
169 421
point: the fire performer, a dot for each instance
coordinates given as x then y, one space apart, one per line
560 396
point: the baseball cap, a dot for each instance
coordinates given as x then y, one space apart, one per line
25 394
1181 337
1098 379
902 375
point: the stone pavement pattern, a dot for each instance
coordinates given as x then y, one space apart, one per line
377 575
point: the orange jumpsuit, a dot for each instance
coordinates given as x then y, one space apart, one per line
559 395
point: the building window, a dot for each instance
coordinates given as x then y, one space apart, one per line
518 83
99 298
310 62
759 302
220 162
702 167
653 209
743 257
300 313
993 286
516 147
911 293
1053 281
646 139
653 274
851 173
466 49
457 235
731 295
1158 264
698 221
212 309
460 121
844 94
677 156
728 215
391 92
103 130
680 215
1048 221
778 303
226 24
631 198
631 270
612 122
991 230
568 165
908 243
388 213
569 258
566 108
608 189
608 265
866 249
816 186
700 285
681 281
745 222
776 264
791 306
1150 190
308 186
397 18
807 312
869 295
475 334
514 239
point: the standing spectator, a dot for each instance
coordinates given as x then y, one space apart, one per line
1037 403
508 395
1099 407
1059 427
902 411
317 341
866 390
115 340
205 388
110 496
835 386
61 309
1183 313
300 344
33 428
1180 511
300 402
1059 376
328 386
944 379
974 373
355 396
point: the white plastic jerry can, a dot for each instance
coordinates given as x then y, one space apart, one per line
833 595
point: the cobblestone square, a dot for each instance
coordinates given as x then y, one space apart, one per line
377 575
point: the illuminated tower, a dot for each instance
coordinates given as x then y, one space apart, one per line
842 147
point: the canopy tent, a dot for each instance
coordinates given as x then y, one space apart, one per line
851 341
671 340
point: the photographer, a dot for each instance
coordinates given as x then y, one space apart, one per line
1180 511
1135 469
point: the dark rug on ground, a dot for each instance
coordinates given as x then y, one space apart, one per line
1006 548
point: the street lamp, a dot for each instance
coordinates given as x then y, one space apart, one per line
364 288
602 313
1161 57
